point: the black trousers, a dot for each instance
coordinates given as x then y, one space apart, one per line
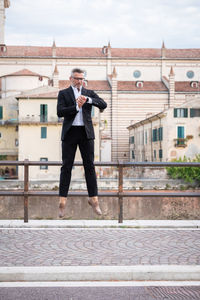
76 136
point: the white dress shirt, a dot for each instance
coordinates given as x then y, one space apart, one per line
78 120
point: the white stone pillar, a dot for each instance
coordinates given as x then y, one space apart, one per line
56 77
171 87
163 64
114 121
3 4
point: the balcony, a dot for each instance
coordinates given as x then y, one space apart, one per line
180 143
33 120
11 122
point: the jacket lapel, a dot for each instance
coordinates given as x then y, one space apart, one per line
71 92
84 91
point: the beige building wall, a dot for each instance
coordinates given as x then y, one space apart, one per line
126 68
8 140
33 147
12 85
172 147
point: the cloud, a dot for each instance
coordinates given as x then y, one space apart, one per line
92 23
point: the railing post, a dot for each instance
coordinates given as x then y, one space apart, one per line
120 191
26 187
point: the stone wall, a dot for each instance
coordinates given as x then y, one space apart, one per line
156 208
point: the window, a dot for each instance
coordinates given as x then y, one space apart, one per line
139 84
194 112
180 135
43 113
142 137
190 74
154 154
160 153
131 139
136 73
155 135
43 167
0 135
43 132
145 136
160 134
180 112
92 112
194 84
133 154
180 132
1 112
16 142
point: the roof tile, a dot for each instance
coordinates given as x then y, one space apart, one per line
147 86
140 53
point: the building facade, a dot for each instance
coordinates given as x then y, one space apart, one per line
171 134
135 83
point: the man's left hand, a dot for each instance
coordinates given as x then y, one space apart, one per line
81 100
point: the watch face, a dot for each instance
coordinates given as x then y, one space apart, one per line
137 74
190 74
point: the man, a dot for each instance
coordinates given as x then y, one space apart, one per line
75 105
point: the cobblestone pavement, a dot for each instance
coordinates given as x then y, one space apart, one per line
81 247
99 293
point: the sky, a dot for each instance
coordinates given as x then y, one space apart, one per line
93 23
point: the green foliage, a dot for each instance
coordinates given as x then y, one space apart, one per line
3 157
188 174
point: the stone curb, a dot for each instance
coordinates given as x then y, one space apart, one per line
140 224
101 273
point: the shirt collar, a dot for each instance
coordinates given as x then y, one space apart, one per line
75 88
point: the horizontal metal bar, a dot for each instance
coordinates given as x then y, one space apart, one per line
104 164
102 194
160 194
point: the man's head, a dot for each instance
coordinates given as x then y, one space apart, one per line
77 77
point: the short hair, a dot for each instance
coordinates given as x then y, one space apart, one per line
77 70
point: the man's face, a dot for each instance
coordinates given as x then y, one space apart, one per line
77 79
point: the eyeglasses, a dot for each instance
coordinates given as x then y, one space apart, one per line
77 78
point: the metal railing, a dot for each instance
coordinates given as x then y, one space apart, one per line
119 193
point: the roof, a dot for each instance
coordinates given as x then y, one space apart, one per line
185 86
162 114
70 52
147 86
97 85
24 72
182 53
136 52
40 95
37 51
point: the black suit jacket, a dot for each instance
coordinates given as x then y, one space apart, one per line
66 107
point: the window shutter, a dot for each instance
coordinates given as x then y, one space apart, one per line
160 134
43 132
192 112
92 112
43 112
185 112
180 132
175 112
1 112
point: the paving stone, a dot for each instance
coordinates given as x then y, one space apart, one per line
74 247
